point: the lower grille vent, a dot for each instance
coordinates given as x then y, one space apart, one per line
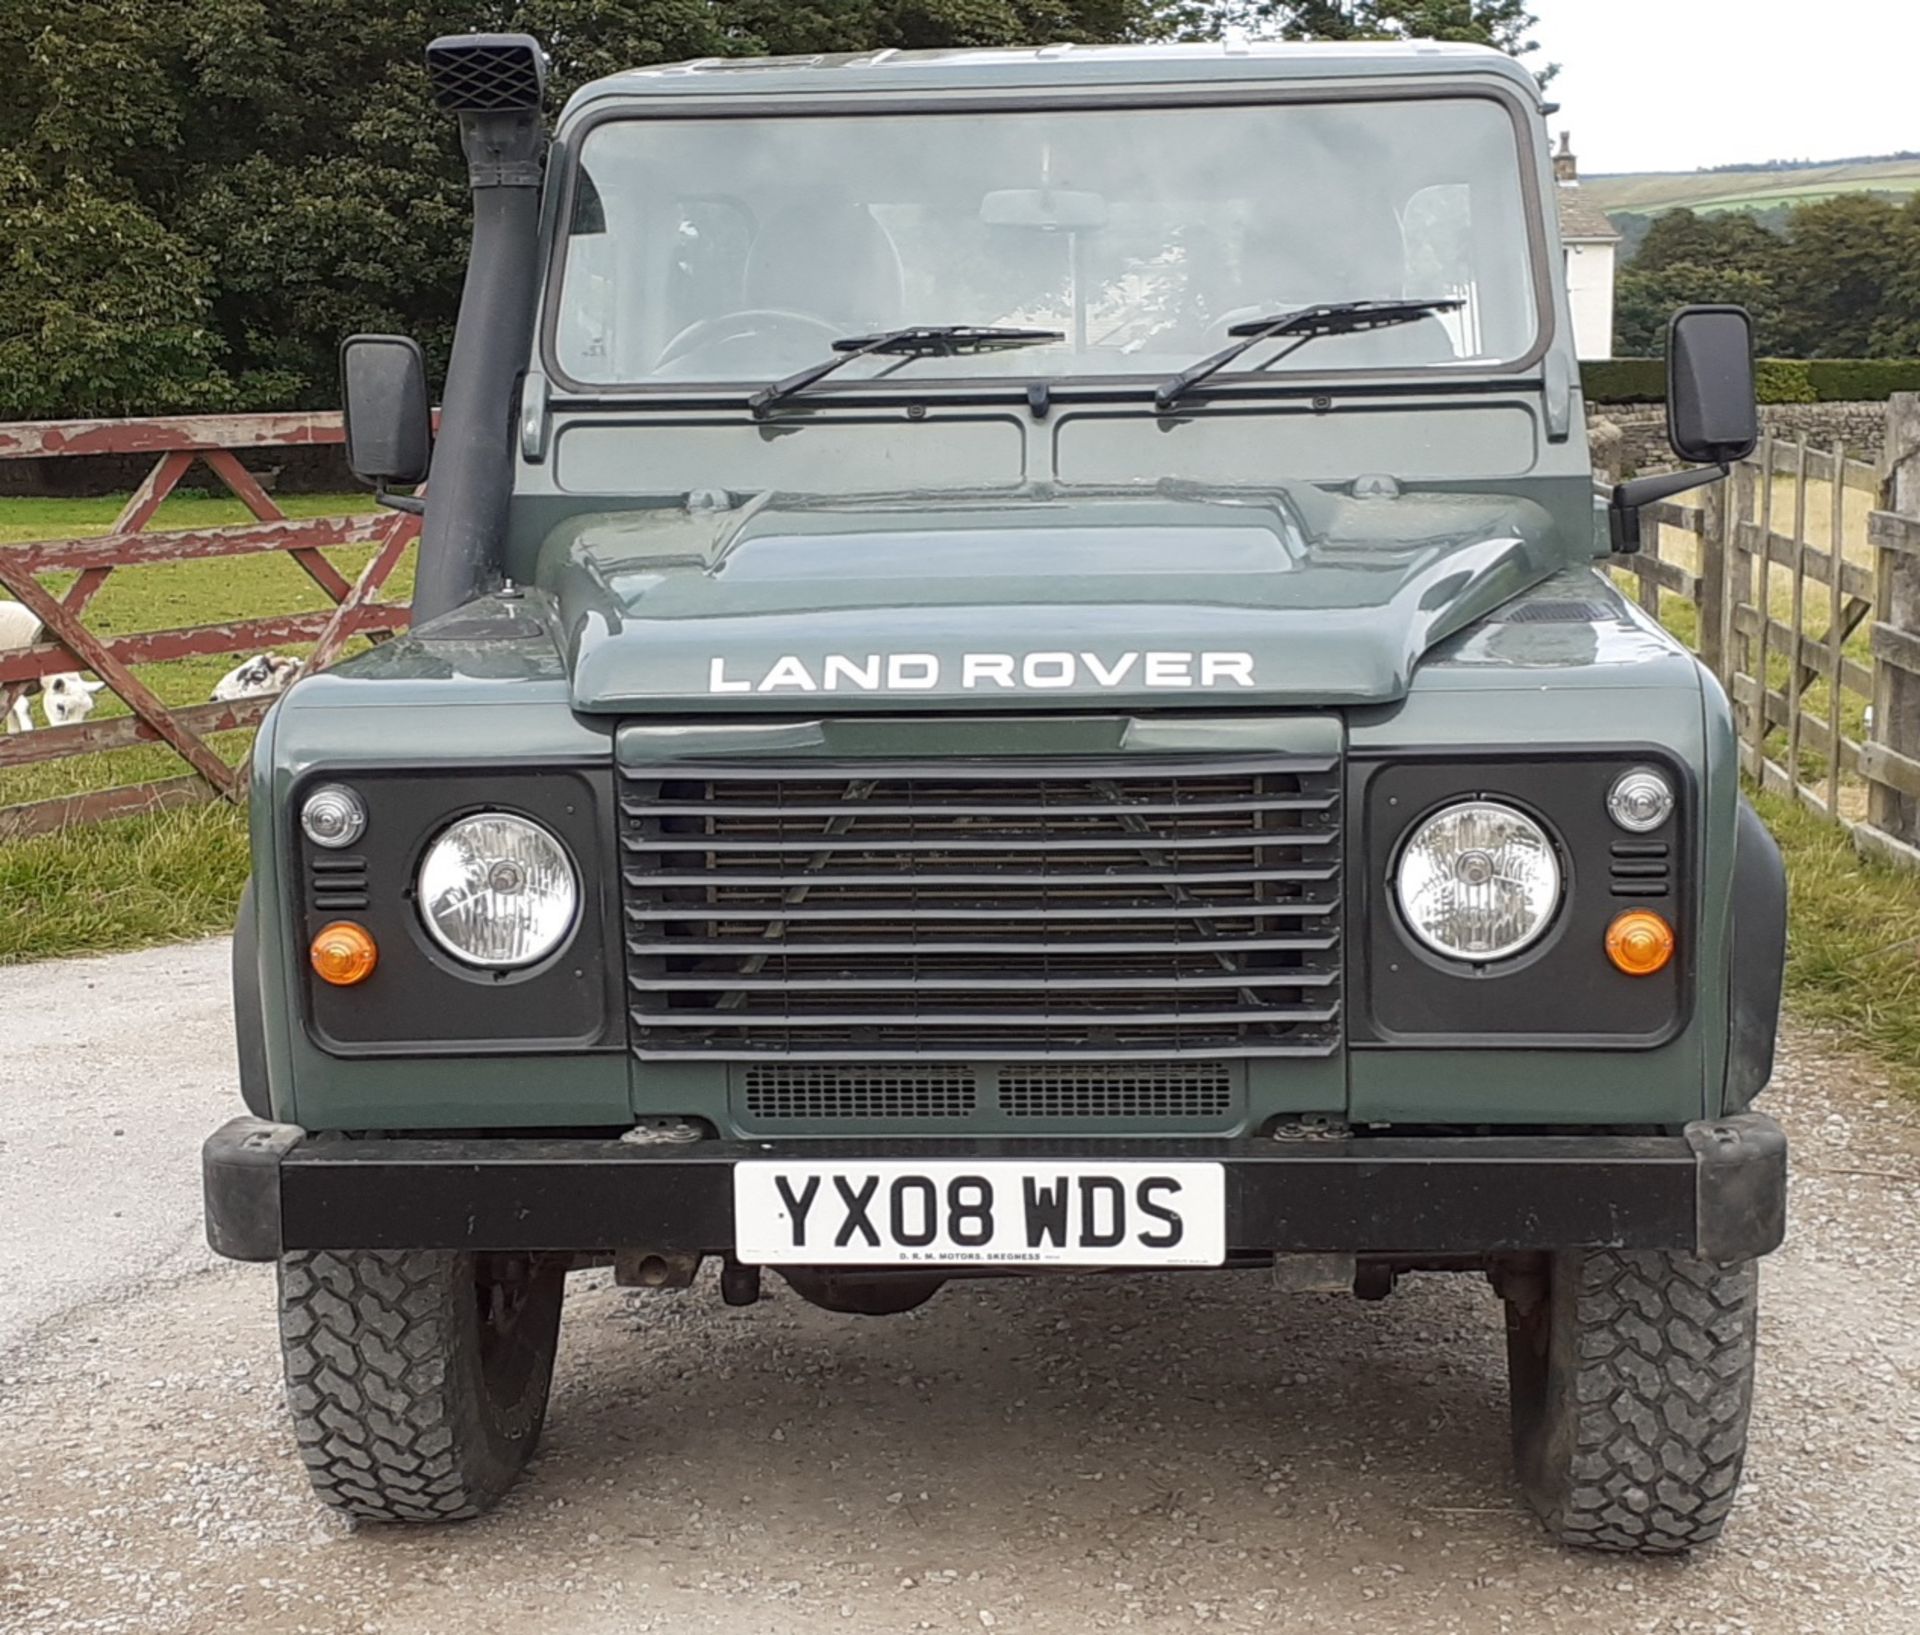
823 1092
1176 1090
984 1097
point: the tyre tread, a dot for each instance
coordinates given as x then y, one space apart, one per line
367 1339
1658 1359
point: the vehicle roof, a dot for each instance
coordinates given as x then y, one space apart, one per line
1061 66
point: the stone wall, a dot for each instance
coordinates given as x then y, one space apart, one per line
1642 442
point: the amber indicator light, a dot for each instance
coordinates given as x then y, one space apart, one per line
344 953
1639 942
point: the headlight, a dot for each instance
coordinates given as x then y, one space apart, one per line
1478 881
498 891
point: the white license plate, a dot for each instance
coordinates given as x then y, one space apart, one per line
997 1213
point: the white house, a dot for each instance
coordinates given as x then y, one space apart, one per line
1592 243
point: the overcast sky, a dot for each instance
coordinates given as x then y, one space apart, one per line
1677 84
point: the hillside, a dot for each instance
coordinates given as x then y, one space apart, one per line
1647 192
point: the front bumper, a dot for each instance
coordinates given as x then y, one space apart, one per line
1717 1190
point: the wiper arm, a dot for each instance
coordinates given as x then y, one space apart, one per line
915 341
1332 318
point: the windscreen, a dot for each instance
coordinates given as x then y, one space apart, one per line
741 248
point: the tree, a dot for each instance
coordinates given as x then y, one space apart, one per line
198 199
1849 259
1646 298
1505 24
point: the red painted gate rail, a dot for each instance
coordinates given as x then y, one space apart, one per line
67 644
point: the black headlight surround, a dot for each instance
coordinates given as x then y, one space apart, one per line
1561 992
420 1000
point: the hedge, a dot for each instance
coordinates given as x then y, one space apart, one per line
1781 380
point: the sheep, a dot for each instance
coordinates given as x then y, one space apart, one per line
18 628
260 677
65 697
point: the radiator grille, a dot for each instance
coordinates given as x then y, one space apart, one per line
964 911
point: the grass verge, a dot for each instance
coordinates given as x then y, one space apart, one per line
1853 945
127 884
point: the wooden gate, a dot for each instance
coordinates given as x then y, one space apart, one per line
177 444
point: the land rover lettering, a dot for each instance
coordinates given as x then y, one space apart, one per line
1050 671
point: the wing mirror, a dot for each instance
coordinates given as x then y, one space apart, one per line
1713 412
1713 408
389 421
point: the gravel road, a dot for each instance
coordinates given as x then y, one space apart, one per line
1166 1453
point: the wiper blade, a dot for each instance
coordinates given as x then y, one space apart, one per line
914 341
1331 318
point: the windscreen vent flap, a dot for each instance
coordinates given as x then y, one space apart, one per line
487 73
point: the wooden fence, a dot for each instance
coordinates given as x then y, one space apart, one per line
129 545
1800 589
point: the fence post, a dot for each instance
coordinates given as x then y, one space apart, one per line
1714 526
1735 644
1896 691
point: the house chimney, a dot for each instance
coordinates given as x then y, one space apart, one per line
1566 168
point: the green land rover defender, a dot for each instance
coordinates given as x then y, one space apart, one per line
1010 676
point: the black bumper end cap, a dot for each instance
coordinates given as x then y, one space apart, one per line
1740 1164
240 1177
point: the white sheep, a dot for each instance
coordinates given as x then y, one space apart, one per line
66 698
261 676
18 628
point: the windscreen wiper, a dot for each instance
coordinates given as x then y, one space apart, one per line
1308 323
915 341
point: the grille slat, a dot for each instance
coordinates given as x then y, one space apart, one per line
931 947
722 879
997 843
974 808
982 982
1131 911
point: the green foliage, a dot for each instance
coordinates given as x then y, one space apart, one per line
1624 380
1838 278
1784 380
1780 380
1505 24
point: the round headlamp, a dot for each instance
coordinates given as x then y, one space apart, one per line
1478 881
498 891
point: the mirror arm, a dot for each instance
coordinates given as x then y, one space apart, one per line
1623 507
409 503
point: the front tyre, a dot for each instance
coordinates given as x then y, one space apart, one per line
1631 1383
417 1379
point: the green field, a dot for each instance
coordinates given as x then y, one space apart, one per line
1649 192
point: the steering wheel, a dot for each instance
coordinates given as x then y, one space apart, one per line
733 326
